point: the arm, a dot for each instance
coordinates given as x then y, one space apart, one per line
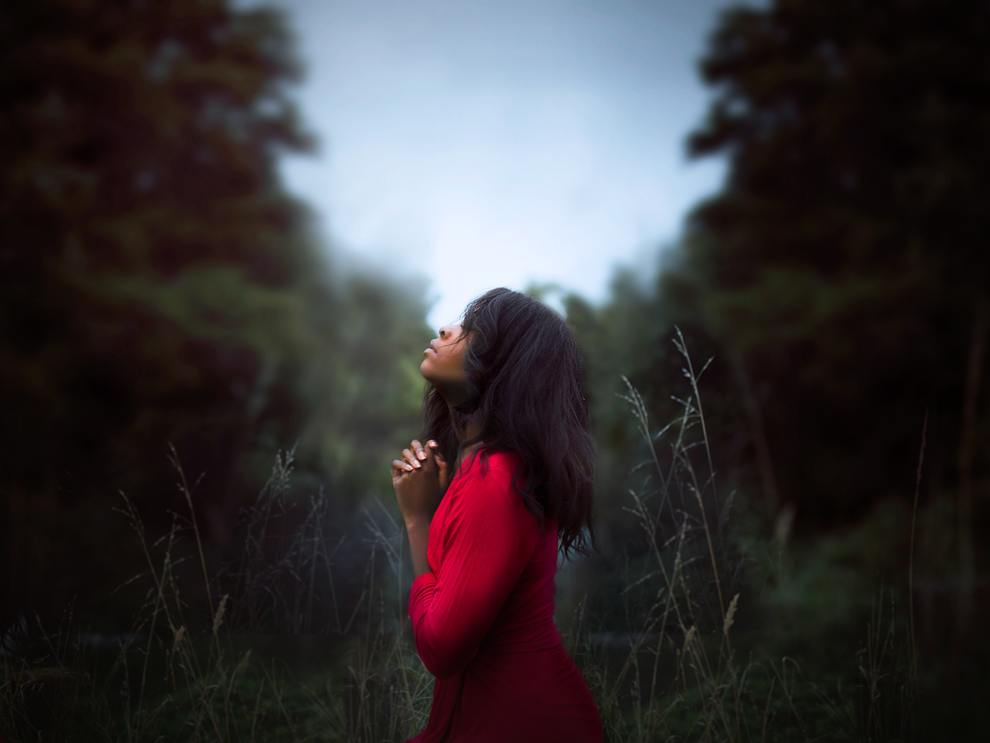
489 538
419 533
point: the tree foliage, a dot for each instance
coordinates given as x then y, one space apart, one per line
843 260
159 284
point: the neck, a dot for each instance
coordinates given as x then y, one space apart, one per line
471 430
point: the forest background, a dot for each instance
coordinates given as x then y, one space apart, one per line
173 323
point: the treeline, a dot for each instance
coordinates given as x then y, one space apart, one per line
160 285
839 278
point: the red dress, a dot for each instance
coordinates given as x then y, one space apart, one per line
483 620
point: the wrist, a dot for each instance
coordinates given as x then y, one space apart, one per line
420 521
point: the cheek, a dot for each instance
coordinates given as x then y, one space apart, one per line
452 364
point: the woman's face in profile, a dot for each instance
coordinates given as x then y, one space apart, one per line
443 359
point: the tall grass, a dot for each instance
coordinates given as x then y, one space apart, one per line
685 674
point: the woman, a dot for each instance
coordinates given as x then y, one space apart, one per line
505 404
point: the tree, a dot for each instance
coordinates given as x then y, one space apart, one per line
843 261
152 266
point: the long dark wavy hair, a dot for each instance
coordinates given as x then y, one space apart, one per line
525 384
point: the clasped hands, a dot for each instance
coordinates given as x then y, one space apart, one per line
419 479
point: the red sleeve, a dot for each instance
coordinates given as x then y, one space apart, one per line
489 536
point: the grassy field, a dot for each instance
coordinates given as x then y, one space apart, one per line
738 633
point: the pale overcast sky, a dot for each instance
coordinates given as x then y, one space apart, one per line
491 143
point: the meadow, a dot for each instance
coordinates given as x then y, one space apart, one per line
714 626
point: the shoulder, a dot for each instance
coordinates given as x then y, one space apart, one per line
490 498
495 465
490 475
496 486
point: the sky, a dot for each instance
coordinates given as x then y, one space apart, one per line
482 144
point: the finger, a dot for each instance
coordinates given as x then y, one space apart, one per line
418 448
435 458
411 458
399 467
441 463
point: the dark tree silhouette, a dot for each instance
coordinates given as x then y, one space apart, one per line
843 264
151 262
